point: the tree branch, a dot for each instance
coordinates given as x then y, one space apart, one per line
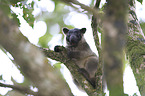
136 48
31 61
96 13
94 28
19 88
97 3
35 66
73 68
99 74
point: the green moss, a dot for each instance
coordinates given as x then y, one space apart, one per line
134 51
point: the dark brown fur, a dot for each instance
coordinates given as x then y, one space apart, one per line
80 51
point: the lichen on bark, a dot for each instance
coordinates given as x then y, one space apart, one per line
135 48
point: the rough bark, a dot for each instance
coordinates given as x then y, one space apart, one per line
28 57
99 73
70 64
31 61
135 48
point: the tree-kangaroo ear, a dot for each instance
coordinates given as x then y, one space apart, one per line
65 30
83 30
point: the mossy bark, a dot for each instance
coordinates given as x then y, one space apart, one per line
135 48
99 73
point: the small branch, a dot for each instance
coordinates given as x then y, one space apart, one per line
96 14
98 45
19 88
97 3
83 6
94 28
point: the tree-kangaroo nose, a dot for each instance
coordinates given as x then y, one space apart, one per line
73 39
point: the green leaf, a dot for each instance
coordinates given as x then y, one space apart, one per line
28 16
135 94
14 1
1 78
43 41
140 1
57 65
32 4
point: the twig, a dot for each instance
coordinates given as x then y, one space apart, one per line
83 6
97 3
98 45
94 28
19 88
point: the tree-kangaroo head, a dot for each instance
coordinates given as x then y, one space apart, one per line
74 36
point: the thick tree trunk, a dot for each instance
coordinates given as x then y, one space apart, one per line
31 61
115 29
34 65
136 48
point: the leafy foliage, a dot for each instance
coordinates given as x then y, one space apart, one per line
27 10
140 1
28 16
57 16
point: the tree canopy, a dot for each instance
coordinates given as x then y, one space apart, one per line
30 28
